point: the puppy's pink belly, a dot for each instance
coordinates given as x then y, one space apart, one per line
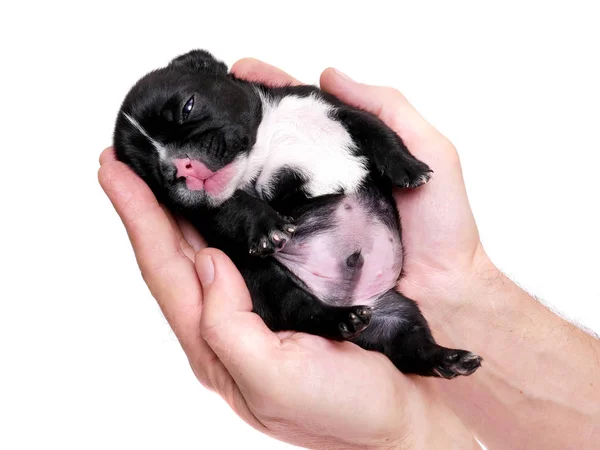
321 260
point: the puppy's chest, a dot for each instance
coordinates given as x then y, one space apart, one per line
300 134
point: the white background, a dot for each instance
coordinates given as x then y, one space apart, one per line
87 359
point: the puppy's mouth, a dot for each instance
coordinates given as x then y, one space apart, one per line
198 177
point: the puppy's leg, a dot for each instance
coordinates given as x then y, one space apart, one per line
384 148
249 221
284 305
400 331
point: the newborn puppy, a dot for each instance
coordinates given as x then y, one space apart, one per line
296 187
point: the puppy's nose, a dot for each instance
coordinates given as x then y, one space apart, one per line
187 167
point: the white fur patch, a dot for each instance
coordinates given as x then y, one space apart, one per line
297 132
160 149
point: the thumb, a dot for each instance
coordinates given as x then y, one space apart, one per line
238 336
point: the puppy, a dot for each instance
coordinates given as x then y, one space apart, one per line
241 159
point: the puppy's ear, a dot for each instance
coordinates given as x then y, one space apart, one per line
199 61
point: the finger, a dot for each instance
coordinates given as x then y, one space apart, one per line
107 155
238 336
187 236
386 103
184 244
191 234
169 273
240 340
254 70
141 214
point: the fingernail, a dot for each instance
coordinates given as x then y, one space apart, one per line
206 269
342 75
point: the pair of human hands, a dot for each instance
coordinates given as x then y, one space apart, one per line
300 388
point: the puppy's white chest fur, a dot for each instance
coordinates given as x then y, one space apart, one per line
298 133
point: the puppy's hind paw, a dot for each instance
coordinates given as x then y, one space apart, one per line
452 363
355 320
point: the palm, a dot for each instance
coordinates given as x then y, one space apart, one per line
439 232
323 381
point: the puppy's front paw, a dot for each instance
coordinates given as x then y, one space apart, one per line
353 320
419 179
271 234
411 175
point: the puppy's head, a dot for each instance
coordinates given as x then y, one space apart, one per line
187 128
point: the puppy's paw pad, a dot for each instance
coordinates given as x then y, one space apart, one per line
457 362
271 241
356 320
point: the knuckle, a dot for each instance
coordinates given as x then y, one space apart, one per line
449 149
203 377
394 95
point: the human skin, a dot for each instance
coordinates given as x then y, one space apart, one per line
534 390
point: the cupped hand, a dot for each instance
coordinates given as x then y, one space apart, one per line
443 253
299 388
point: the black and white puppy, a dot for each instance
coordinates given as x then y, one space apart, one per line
240 160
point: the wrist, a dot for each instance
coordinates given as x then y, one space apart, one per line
453 299
420 420
539 371
435 424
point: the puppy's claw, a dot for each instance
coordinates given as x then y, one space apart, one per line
365 312
271 237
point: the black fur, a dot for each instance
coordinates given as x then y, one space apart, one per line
222 126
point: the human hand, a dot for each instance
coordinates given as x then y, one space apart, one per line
298 388
539 378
